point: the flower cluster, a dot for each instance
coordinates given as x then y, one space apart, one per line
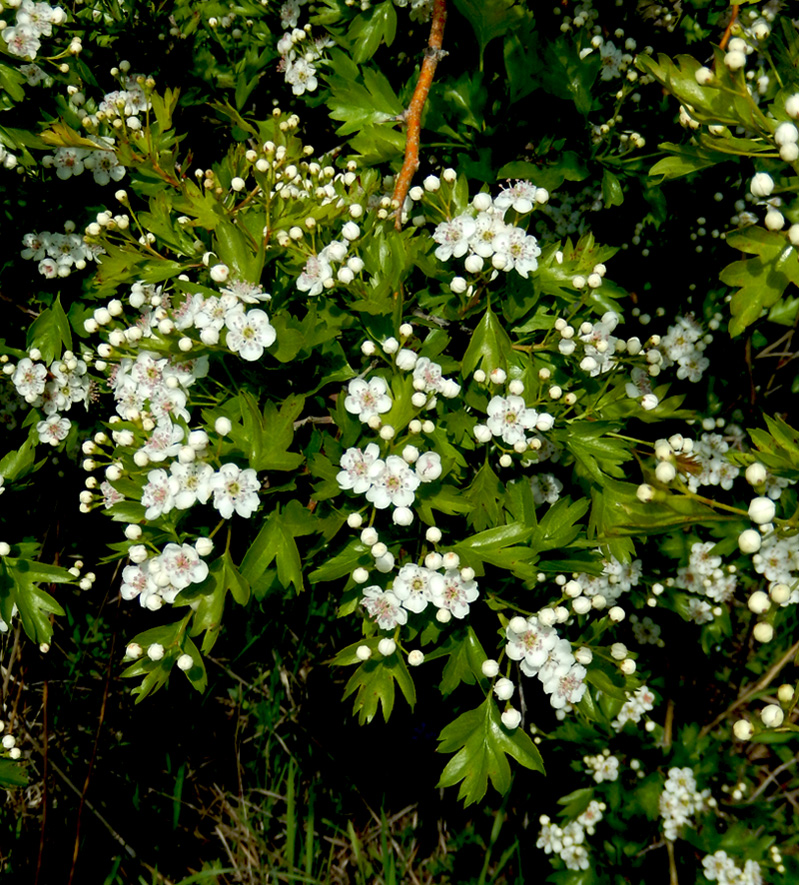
568 842
317 274
58 254
721 868
715 469
486 236
542 653
640 702
102 162
680 801
390 481
54 389
616 578
603 766
299 54
683 345
449 589
158 579
704 576
33 21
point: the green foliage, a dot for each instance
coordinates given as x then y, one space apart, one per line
481 745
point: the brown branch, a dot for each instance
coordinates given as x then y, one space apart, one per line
759 686
728 31
413 115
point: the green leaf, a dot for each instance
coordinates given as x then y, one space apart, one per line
359 100
568 76
18 587
490 19
275 542
557 528
464 661
483 497
208 598
373 686
489 347
17 464
370 29
596 455
684 159
762 279
481 744
612 192
343 563
12 774
265 438
724 100
50 331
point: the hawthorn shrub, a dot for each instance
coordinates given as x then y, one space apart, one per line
398 352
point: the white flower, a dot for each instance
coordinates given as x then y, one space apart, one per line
165 441
183 565
355 466
249 333
190 483
301 76
532 644
367 399
22 41
29 378
157 495
235 490
383 607
488 227
314 275
53 430
412 587
105 166
520 196
611 60
454 237
452 592
393 482
428 466
509 417
136 580
248 293
568 688
519 250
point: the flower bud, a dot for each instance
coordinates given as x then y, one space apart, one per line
749 541
511 719
763 632
203 546
772 716
386 646
761 510
490 668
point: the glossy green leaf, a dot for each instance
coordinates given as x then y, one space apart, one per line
481 744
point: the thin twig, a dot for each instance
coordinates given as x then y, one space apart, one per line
773 776
673 880
413 115
758 686
728 31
